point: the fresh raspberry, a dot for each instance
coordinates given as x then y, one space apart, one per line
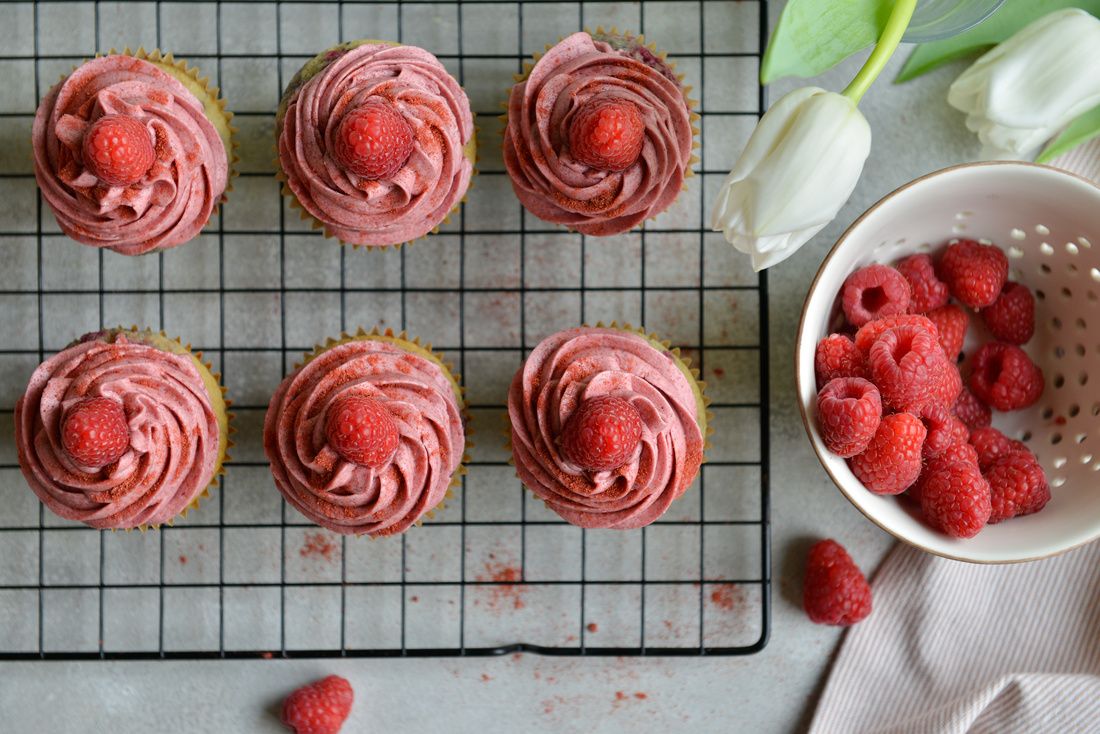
1018 485
910 369
951 323
94 432
320 707
955 499
836 356
929 292
961 451
118 150
362 430
607 134
944 429
971 411
869 333
974 272
602 433
374 140
834 590
874 292
849 410
1011 318
991 444
1004 377
892 460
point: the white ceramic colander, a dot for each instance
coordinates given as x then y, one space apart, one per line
1048 223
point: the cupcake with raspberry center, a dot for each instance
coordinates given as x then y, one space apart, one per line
367 436
376 142
133 152
125 428
608 426
599 134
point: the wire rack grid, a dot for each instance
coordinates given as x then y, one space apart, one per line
494 573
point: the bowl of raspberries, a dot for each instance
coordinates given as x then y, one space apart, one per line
944 361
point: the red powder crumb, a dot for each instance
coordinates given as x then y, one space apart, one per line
317 545
593 627
620 696
266 655
183 559
725 597
414 599
719 372
507 592
1060 420
485 677
640 696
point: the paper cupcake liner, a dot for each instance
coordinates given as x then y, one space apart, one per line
310 69
213 104
625 40
219 403
422 349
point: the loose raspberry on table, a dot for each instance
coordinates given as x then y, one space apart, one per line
362 430
951 323
1011 318
944 429
956 452
1004 377
602 433
607 134
849 410
373 140
1018 485
321 707
836 356
95 433
974 272
118 150
991 443
834 590
910 369
956 499
892 461
874 292
928 291
869 333
971 411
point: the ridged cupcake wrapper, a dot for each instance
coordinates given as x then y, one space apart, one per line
638 41
310 69
424 349
210 97
220 404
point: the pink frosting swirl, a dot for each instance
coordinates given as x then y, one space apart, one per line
575 365
174 433
410 203
350 498
556 187
176 196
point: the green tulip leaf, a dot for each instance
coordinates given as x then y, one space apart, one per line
1081 130
1011 17
811 36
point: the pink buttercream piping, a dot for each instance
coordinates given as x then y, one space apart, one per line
555 187
346 497
176 196
578 364
173 433
419 196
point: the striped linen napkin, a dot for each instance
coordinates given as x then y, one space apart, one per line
956 647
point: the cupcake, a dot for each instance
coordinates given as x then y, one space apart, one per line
132 152
124 428
367 436
608 426
376 142
599 134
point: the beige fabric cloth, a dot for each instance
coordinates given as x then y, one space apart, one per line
955 647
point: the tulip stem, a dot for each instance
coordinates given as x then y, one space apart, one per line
884 49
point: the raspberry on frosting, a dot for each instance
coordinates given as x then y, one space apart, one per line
599 135
586 366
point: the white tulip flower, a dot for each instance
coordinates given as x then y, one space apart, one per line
798 169
1027 88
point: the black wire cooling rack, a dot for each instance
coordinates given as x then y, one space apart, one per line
246 576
